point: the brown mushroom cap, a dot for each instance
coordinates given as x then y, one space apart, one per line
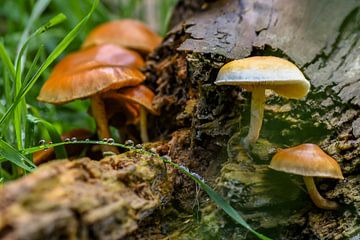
84 84
126 33
266 72
105 55
91 71
306 160
139 94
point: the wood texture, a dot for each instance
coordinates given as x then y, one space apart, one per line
319 36
84 199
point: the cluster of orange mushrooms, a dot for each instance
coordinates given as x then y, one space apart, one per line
258 73
107 71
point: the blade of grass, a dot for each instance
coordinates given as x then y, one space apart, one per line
60 151
9 153
219 201
7 88
34 63
37 10
20 110
30 134
6 60
54 54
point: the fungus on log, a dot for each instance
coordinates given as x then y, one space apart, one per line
323 39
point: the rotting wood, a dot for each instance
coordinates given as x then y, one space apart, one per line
322 38
84 199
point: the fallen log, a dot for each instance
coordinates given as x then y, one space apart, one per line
84 199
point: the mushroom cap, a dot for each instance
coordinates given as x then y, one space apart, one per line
105 55
126 33
268 72
139 95
306 160
91 71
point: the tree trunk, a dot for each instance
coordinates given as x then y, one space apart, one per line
322 39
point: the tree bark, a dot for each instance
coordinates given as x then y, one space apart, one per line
84 199
322 39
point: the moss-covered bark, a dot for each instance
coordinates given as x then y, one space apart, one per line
84 199
322 38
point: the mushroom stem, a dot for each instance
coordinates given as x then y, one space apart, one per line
143 125
98 111
257 113
315 196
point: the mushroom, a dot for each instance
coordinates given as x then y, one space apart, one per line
126 33
257 74
122 115
89 73
308 160
140 95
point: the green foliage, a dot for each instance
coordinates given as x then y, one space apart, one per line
9 153
26 54
17 107
60 151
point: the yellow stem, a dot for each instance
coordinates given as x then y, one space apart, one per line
143 125
257 113
98 111
315 196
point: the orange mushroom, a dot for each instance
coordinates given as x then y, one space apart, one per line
126 33
122 115
139 95
130 113
87 74
308 160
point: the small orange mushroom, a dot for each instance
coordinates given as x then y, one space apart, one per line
126 33
139 95
87 74
130 113
308 160
121 115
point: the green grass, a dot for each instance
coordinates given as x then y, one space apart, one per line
31 42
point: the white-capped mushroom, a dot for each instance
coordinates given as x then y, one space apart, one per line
256 74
